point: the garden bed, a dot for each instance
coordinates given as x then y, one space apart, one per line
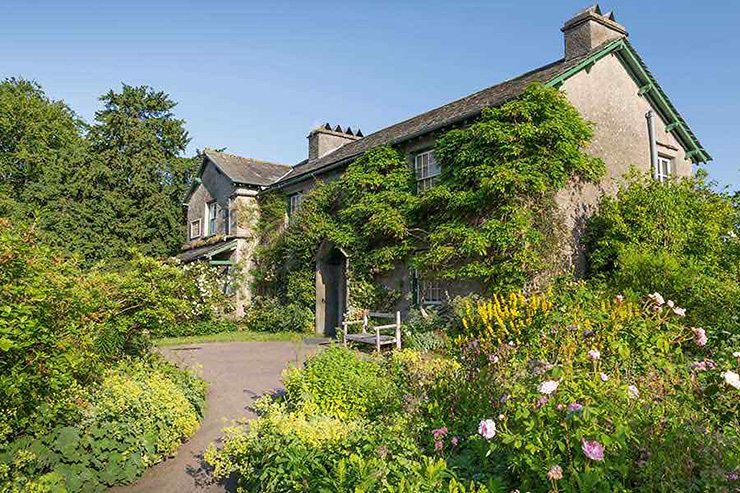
577 390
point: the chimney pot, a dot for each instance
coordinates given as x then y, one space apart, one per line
589 29
323 140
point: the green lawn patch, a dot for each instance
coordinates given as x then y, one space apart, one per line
245 335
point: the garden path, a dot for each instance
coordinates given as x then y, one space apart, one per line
237 373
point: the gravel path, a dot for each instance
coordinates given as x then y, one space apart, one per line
237 373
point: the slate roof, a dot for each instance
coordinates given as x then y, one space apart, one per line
207 250
449 114
246 170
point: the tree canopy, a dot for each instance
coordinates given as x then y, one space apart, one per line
95 190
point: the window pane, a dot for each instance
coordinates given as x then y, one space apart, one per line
430 291
426 169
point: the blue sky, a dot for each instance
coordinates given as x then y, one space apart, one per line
254 77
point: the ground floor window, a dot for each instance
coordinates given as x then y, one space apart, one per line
429 290
229 286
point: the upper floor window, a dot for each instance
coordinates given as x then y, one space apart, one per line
664 169
212 215
294 203
427 170
195 229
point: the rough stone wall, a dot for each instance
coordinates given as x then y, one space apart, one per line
607 96
245 211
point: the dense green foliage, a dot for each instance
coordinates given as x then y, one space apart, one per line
575 390
38 137
136 416
137 142
61 327
338 429
367 212
679 238
268 314
95 190
489 219
338 384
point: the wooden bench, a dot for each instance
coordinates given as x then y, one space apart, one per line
376 337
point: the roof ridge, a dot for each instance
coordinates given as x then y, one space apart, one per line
511 79
255 160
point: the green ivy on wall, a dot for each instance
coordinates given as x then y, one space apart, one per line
491 218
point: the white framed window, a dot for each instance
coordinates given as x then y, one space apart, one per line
212 215
294 203
195 229
664 169
427 170
429 291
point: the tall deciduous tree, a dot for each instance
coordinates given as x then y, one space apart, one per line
39 139
43 151
138 144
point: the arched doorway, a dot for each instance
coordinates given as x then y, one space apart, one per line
331 288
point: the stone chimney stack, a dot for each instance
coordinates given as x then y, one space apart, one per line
323 140
589 29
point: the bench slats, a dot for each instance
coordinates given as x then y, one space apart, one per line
372 335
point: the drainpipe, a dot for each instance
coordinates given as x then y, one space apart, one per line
653 145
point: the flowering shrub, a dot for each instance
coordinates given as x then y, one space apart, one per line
62 328
341 384
680 238
502 318
338 428
601 395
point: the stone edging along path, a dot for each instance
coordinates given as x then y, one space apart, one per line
237 373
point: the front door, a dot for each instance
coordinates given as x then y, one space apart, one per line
331 290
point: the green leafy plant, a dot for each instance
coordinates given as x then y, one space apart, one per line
139 414
270 315
491 217
680 238
61 327
340 383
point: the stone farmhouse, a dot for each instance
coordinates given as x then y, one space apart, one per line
601 74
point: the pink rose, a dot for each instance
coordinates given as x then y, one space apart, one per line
592 449
700 336
487 429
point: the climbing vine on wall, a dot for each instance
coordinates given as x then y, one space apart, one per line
368 212
490 218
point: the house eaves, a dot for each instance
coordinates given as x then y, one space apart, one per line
470 107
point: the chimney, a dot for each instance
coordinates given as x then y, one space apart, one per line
589 29
323 140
